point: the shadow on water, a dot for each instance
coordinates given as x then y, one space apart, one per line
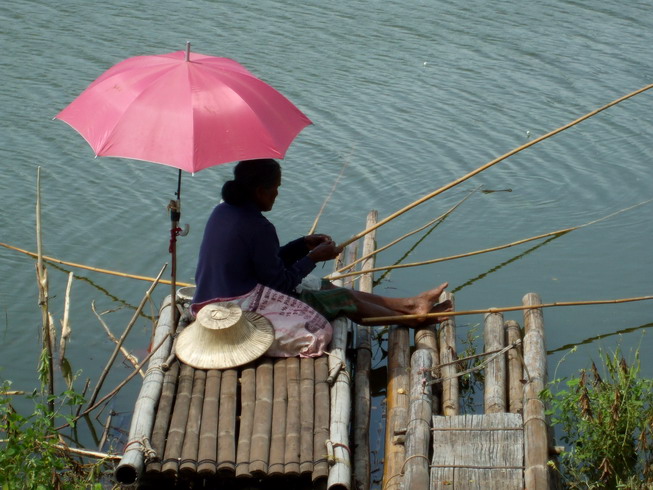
590 340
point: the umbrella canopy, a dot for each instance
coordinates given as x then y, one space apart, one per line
186 110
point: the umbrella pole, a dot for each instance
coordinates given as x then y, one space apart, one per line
175 231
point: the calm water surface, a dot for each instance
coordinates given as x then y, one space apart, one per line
409 96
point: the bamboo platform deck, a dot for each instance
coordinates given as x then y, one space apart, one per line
294 424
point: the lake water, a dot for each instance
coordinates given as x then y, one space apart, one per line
407 97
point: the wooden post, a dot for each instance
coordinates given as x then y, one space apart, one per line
279 413
227 423
177 429
247 404
495 372
260 450
362 400
293 424
515 368
450 387
131 464
307 409
418 431
188 463
208 448
397 405
536 475
321 421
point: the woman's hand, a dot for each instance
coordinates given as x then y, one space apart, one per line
313 241
326 250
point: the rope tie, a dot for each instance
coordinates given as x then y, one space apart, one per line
149 453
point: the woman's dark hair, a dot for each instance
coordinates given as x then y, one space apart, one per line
249 175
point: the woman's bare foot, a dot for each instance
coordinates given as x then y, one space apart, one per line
425 301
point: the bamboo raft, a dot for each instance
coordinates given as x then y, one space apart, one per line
293 422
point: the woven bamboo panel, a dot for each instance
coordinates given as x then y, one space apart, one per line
478 452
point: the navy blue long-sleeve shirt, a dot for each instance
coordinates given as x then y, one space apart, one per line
240 249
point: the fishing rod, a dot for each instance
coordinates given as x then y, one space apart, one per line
490 164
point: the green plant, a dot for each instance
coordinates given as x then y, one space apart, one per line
606 420
30 453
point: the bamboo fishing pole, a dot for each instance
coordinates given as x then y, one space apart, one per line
94 269
490 164
328 198
395 319
442 217
487 250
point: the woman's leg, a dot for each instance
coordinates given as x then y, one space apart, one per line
371 305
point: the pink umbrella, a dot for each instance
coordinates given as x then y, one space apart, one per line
186 110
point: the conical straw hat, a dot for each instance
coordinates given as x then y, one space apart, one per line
224 336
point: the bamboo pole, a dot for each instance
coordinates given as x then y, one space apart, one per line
307 412
507 308
93 269
448 356
495 371
321 421
556 233
208 445
131 464
188 463
293 423
42 279
227 423
362 400
418 433
339 371
247 404
515 370
490 164
375 251
279 413
326 200
177 429
396 405
128 328
536 474
163 413
260 450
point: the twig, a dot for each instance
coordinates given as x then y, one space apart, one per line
491 249
94 269
105 372
394 319
490 164
131 358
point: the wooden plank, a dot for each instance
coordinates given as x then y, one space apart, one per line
418 431
495 371
484 452
307 413
177 429
247 404
188 463
293 425
279 413
226 461
536 433
208 447
321 421
260 450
